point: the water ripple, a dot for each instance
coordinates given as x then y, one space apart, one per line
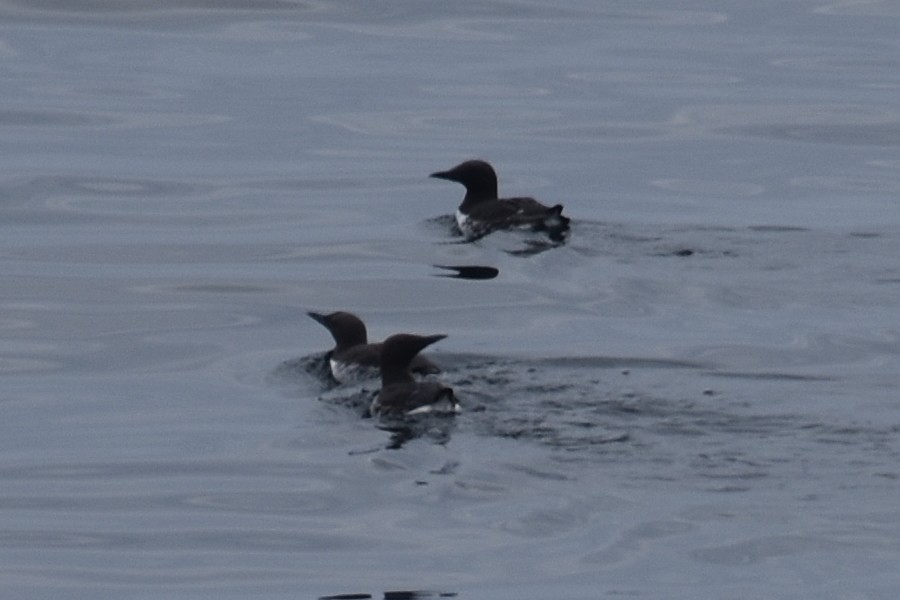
49 118
200 540
836 124
429 122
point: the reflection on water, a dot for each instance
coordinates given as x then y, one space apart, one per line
393 595
469 272
680 401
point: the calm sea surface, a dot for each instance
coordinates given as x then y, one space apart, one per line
695 397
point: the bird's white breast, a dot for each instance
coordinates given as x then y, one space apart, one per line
463 222
348 372
441 407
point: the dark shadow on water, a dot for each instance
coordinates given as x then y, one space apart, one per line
393 595
777 229
468 272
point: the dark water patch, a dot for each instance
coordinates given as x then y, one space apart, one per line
777 229
881 439
735 469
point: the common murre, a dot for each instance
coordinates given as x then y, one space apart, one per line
400 394
353 358
482 212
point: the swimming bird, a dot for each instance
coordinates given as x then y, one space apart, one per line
482 211
353 358
400 394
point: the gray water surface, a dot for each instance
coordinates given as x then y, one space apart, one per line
694 397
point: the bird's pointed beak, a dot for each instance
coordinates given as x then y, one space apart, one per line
427 340
435 338
318 318
443 175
